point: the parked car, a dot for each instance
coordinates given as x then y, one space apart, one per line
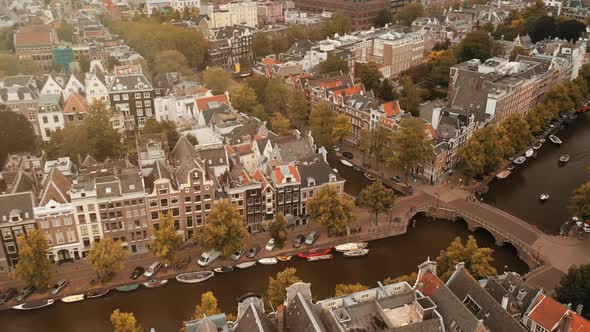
59 286
347 155
208 257
298 241
237 254
252 252
153 269
24 293
396 178
311 238
136 272
271 244
7 295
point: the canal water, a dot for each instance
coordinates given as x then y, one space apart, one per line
164 308
519 193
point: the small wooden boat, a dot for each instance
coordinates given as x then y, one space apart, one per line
370 176
97 293
346 163
542 140
503 175
34 305
351 246
529 153
267 261
544 197
245 265
223 269
555 139
153 283
319 258
537 146
127 288
284 258
564 158
356 253
511 167
520 160
194 277
314 252
73 298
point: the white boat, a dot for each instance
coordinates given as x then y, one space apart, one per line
73 298
520 160
319 258
529 153
245 265
356 253
34 305
542 140
502 175
96 294
555 139
267 261
564 158
350 246
370 176
537 146
153 283
346 163
223 269
544 197
194 277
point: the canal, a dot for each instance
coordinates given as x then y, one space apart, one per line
519 193
164 308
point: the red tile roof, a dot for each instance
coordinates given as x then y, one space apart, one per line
295 172
75 104
328 85
203 103
353 90
55 187
547 312
37 34
430 284
258 176
392 108
580 323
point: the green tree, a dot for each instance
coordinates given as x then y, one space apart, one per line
370 76
409 12
84 63
208 306
377 198
411 96
166 127
476 45
33 267
280 125
65 32
104 140
106 258
580 201
124 322
321 120
258 84
345 289
276 292
112 62
386 92
16 133
412 146
409 278
472 158
243 98
441 67
574 288
297 108
382 18
332 64
477 260
518 131
169 61
224 230
276 97
340 23
278 229
342 127
364 143
261 44
12 65
217 79
330 209
165 241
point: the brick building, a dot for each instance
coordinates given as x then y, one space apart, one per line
361 12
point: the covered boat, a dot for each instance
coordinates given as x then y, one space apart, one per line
346 163
555 139
73 298
34 305
267 261
502 175
544 197
223 269
351 246
245 265
153 283
284 258
529 153
537 146
319 258
520 160
127 288
314 252
356 253
96 293
194 277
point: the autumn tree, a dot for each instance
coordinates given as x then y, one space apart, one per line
345 289
12 65
276 292
106 258
280 125
339 23
409 12
441 65
409 278
377 198
258 84
16 133
518 131
278 229
472 158
297 108
342 127
224 230
207 307
411 96
276 97
370 76
580 201
477 260
33 267
364 142
476 45
217 79
386 91
84 63
168 61
165 240
261 44
65 32
412 146
321 121
166 127
330 209
332 64
124 322
574 288
243 98
484 152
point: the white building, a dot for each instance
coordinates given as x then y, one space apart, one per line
233 13
50 115
96 88
73 84
53 85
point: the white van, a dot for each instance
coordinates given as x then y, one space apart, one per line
208 257
153 269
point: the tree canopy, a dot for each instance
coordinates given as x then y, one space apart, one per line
224 230
12 65
484 152
409 12
321 120
477 260
297 108
167 127
370 76
278 229
330 209
377 198
574 288
165 240
518 132
33 267
168 61
280 125
243 98
332 64
476 45
342 127
207 307
412 146
106 257
276 292
217 79
16 133
580 201
124 322
345 289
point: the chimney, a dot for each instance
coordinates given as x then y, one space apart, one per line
566 322
425 267
579 309
505 302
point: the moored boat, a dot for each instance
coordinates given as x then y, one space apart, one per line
34 305
153 283
537 146
564 158
127 288
555 139
544 197
223 269
97 293
346 163
370 176
267 261
502 175
350 246
542 140
284 258
520 160
319 258
356 253
314 252
511 167
73 298
245 265
356 168
529 153
194 277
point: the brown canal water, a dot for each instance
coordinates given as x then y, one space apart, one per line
164 308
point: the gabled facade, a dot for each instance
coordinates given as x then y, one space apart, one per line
75 110
16 219
96 88
50 115
53 85
131 93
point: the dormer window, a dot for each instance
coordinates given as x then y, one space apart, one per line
310 182
332 178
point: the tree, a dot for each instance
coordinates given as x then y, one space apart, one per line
543 27
169 61
167 127
104 140
243 98
12 65
33 267
409 12
330 209
570 30
258 84
297 108
342 127
65 32
124 322
217 79
412 146
411 96
518 131
439 72
476 45
472 158
276 97
16 133
165 240
321 120
276 292
278 229
84 63
516 51
485 151
224 230
112 62
280 125
386 92
332 64
574 288
192 138
580 202
477 260
370 76
208 306
377 198
261 44
382 18
340 24
409 278
364 143
106 257
345 289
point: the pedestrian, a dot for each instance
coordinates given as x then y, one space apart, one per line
414 223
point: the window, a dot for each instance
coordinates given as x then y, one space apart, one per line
116 98
175 212
153 202
84 231
59 236
207 207
125 96
44 224
45 120
55 119
94 229
138 95
67 220
10 248
32 116
147 103
56 222
470 303
164 202
188 199
189 221
6 234
146 95
174 200
189 209
71 236
155 215
138 103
